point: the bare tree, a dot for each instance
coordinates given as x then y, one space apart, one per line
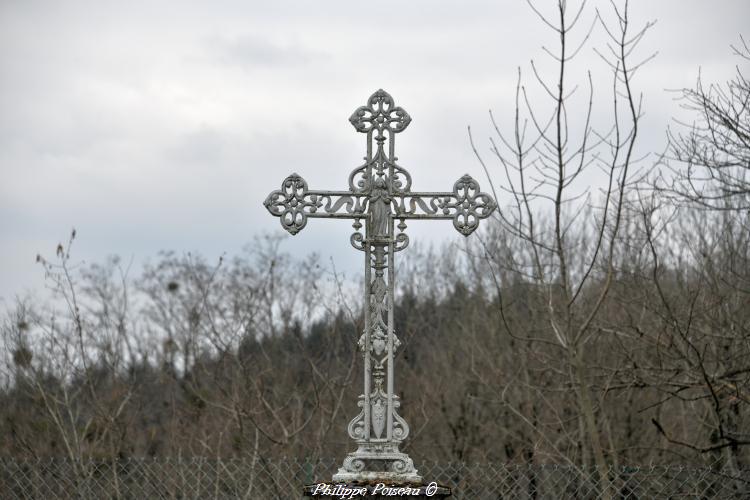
569 238
713 153
695 226
685 331
70 362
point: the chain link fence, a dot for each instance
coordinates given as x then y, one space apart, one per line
283 479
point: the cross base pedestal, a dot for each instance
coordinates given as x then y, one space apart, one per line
379 462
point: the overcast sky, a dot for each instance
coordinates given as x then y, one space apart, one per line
162 125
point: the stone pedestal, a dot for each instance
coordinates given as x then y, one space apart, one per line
377 490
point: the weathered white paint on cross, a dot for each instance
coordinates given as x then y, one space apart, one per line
379 194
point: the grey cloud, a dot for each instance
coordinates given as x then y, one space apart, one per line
255 51
147 130
204 146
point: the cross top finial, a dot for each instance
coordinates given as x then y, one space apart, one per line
380 114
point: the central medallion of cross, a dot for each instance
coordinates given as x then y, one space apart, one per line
379 195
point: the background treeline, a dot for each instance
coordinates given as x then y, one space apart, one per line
599 326
225 360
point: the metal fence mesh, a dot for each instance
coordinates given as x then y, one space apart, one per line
283 479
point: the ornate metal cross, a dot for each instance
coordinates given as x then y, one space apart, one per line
379 195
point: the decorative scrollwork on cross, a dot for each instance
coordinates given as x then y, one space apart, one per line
361 179
380 114
379 201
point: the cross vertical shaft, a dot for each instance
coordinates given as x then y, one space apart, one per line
379 194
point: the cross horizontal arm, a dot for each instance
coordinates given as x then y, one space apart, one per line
426 205
294 204
465 205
